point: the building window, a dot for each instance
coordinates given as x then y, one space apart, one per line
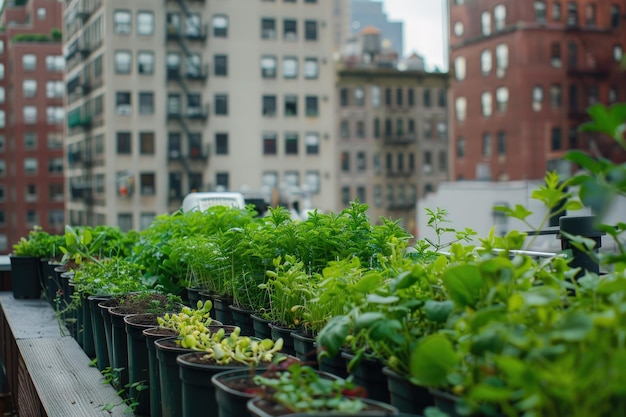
399 127
501 143
55 191
269 105
590 15
615 16
410 127
499 16
540 11
124 143
3 143
268 29
30 115
145 23
556 138
268 67
572 13
54 89
426 98
399 97
459 68
312 143
292 179
269 179
1 71
122 103
269 144
310 68
41 13
220 65
485 20
461 108
537 97
343 97
55 115
592 95
221 143
3 120
291 143
291 106
145 62
3 172
572 55
147 183
460 147
361 164
29 88
122 22
618 53
146 143
376 96
486 144
613 95
55 63
290 29
221 104
485 62
29 62
556 11
312 181
345 161
388 97
30 166
311 106
220 26
290 67
310 30
30 141
573 97
359 97
502 98
145 220
556 96
388 128
502 59
123 62
410 97
555 54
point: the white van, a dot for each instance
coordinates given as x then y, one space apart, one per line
202 201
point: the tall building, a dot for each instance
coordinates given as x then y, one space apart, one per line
392 127
31 119
341 22
169 97
524 73
366 13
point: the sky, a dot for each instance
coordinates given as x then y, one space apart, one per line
423 28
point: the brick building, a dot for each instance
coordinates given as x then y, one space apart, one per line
31 119
523 74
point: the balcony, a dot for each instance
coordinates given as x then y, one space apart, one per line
78 120
200 74
197 35
173 33
399 173
84 48
400 139
197 112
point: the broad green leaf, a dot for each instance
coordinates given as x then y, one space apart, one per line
575 327
584 160
403 280
438 311
379 299
463 284
367 319
333 336
489 393
540 297
384 329
432 359
612 284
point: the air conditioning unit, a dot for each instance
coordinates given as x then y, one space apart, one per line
291 36
428 169
124 109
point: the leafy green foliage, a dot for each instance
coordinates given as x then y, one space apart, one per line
39 244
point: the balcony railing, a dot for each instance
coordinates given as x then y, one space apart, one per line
197 112
400 139
78 120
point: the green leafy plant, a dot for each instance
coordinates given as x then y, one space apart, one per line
39 244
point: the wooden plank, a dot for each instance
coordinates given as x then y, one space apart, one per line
66 385
30 318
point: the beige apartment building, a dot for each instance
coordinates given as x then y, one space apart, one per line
169 97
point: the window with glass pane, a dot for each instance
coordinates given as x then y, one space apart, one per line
572 13
502 98
269 105
377 128
590 15
485 61
312 181
618 53
459 68
486 144
269 143
291 143
312 143
556 11
555 54
146 103
388 100
268 67
310 30
460 106
147 183
193 25
345 195
172 21
359 96
361 164
426 98
290 29
344 129
146 143
292 178
124 145
220 26
122 22
343 97
30 115
540 11
345 161
501 143
291 105
460 147
378 195
375 96
388 128
268 28
221 104
54 89
145 23
123 62
269 179
55 63
485 100
290 67
502 59
29 88
615 16
123 103
556 96
499 15
311 106
220 65
145 220
376 162
310 68
485 20
30 140
30 166
145 62
221 143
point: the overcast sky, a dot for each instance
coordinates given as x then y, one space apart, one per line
423 28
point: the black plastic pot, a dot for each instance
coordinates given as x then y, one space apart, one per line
167 350
404 395
70 315
222 311
261 327
305 348
242 319
119 344
154 380
369 374
258 406
278 332
26 276
231 402
98 331
51 283
86 328
335 365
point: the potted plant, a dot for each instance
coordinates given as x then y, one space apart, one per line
26 273
301 390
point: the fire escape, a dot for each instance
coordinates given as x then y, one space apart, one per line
186 78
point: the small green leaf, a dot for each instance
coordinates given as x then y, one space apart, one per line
432 359
438 311
463 283
575 327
